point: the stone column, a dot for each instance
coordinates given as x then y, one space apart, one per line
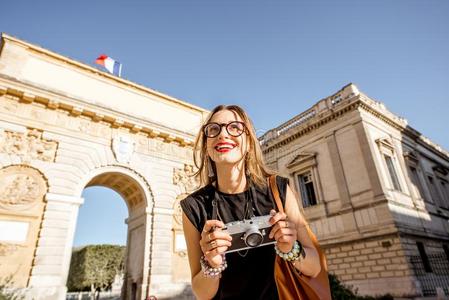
339 174
54 249
161 281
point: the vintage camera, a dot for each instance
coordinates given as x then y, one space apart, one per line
249 233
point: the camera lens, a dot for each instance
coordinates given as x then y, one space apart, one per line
253 237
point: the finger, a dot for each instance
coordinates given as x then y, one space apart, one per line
217 251
221 243
286 239
211 224
278 230
285 234
278 226
218 234
277 217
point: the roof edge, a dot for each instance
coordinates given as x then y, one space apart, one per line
41 50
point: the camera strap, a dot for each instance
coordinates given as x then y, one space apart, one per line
248 211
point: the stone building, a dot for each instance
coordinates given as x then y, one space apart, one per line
65 126
374 190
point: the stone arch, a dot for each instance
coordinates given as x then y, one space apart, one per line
138 197
22 203
103 176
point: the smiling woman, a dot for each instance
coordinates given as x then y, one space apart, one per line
235 195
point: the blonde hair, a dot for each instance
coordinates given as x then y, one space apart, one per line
254 163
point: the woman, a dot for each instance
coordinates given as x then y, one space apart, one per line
234 184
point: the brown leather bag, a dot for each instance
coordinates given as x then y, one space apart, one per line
291 284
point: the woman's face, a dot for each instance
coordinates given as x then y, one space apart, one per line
226 148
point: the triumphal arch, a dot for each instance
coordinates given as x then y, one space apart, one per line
65 126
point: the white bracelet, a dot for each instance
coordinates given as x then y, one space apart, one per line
211 272
293 255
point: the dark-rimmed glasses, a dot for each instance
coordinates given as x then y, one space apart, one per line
234 128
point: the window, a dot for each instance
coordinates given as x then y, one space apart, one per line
307 189
446 251
392 172
415 180
445 192
424 257
433 190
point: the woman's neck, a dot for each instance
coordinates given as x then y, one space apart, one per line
231 179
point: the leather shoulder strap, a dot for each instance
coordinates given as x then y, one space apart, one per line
275 191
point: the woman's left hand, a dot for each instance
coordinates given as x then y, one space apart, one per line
283 231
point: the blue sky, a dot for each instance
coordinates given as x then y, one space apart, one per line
275 58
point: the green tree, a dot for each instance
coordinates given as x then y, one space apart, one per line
6 292
341 292
94 267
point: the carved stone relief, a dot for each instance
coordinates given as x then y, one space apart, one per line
28 145
123 148
8 249
20 188
184 179
177 211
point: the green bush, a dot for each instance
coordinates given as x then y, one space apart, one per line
94 267
5 292
341 292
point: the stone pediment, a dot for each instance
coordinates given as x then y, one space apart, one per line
441 170
385 142
411 156
302 158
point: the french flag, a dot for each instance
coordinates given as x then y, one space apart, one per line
111 65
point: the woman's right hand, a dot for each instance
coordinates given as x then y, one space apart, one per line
214 242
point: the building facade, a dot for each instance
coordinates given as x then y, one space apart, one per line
65 126
374 190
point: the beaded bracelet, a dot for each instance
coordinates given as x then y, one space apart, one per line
211 272
295 254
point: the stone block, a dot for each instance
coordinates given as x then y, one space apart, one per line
57 215
361 258
372 244
378 268
359 276
344 266
47 270
367 251
389 254
46 241
356 264
374 256
349 259
49 260
56 223
53 232
346 248
45 281
364 269
387 274
346 277
384 261
354 253
358 246
369 263
51 251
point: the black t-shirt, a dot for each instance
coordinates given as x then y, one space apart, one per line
250 274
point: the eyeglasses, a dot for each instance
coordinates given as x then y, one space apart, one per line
234 128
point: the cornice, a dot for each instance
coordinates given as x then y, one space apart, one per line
359 102
114 120
308 127
92 70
